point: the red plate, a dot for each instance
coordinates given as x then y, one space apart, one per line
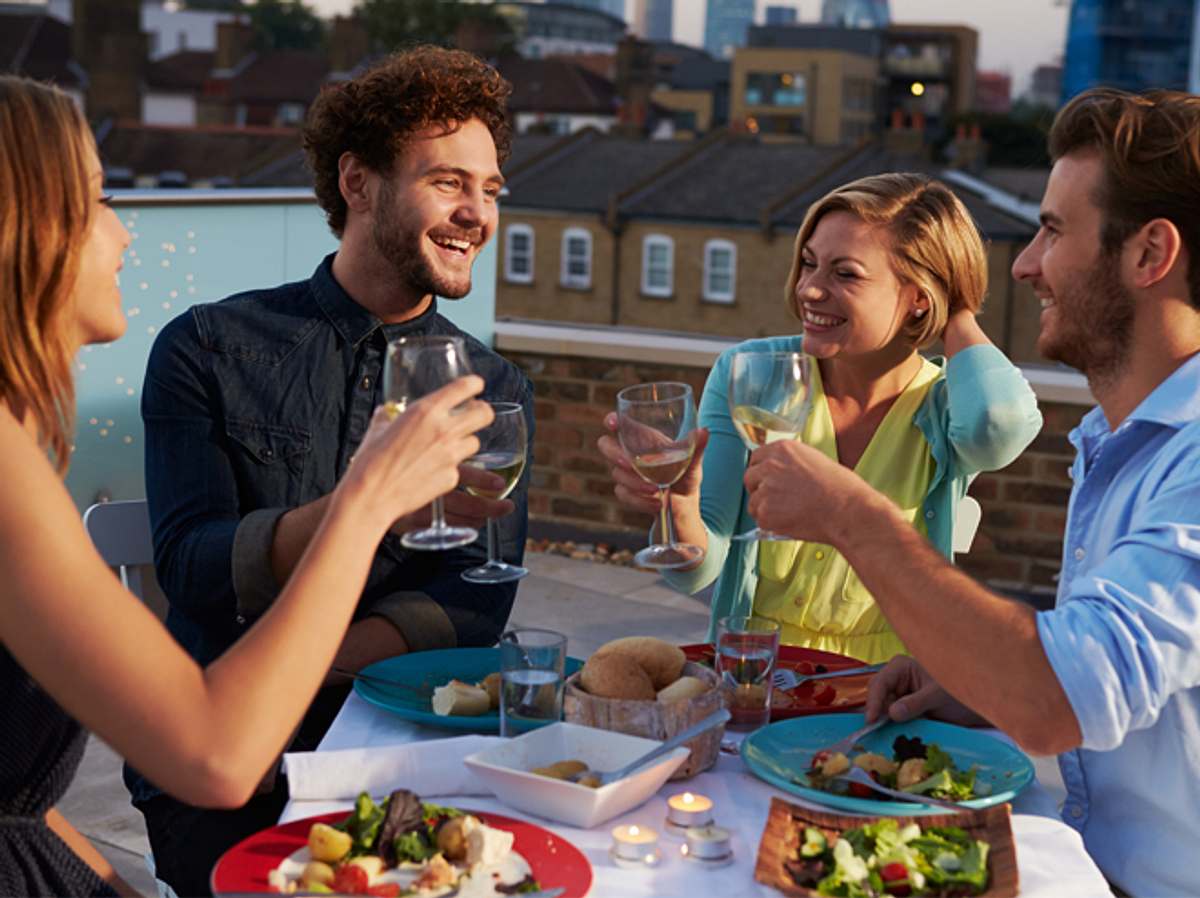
819 697
554 861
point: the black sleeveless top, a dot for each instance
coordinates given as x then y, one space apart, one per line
40 749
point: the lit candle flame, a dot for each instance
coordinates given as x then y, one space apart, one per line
633 830
688 798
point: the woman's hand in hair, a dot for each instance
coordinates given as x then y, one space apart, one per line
962 330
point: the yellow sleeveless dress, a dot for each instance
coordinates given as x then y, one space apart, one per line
809 589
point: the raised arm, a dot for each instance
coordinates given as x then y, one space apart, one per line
206 735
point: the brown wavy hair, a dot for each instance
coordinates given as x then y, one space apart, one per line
375 115
45 215
934 243
1150 148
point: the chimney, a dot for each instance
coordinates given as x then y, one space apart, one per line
968 150
235 40
349 44
634 82
107 41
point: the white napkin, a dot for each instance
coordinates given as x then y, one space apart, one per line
427 768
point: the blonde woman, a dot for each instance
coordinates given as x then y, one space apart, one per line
883 267
76 650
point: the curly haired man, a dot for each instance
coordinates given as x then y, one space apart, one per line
254 405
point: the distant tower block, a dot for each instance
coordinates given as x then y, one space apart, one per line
856 13
107 41
652 20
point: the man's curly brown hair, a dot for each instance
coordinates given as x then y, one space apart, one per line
375 115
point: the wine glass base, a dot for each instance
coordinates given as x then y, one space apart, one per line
760 535
669 557
495 572
434 539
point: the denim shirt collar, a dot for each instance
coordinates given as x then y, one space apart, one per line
352 322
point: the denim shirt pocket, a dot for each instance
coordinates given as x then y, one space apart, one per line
272 459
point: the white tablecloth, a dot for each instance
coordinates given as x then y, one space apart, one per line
1050 854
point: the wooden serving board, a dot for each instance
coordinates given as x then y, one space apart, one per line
786 823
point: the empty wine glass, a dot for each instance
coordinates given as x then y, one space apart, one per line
501 452
656 424
768 401
415 367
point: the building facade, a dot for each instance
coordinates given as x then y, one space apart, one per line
725 25
1132 46
653 20
782 15
856 13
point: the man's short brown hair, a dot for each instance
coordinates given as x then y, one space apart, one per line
1150 148
375 114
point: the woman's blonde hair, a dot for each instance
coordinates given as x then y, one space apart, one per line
934 243
45 214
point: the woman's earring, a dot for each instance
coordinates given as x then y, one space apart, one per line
920 313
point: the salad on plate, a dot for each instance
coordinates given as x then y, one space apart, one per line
914 766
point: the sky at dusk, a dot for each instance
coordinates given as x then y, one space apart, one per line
1014 36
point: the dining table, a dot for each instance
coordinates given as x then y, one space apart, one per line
1051 859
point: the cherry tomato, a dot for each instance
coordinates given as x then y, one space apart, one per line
805 668
385 890
819 758
824 694
858 790
350 880
895 872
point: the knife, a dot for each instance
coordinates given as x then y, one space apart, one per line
382 682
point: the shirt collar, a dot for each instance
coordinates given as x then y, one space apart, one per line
1173 403
352 321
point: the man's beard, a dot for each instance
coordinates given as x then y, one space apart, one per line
1093 323
403 250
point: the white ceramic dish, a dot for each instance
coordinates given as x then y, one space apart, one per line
504 768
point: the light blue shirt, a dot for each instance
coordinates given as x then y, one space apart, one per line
1124 640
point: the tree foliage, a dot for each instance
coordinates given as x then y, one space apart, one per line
398 23
286 25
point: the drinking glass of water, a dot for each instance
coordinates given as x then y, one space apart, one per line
746 652
531 678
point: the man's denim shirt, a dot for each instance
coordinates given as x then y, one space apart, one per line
254 406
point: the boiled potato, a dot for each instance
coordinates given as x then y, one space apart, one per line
328 844
491 685
316 873
836 764
452 837
873 763
911 772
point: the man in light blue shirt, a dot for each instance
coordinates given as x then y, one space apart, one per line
1110 679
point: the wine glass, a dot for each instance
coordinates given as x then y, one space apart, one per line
501 452
415 367
768 401
656 424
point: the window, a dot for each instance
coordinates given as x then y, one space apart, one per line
776 89
518 254
720 271
658 265
577 258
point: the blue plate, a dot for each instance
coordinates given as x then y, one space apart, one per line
782 752
424 672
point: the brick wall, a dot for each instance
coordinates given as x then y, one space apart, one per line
1018 546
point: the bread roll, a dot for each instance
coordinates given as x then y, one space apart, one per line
661 660
682 689
616 676
460 699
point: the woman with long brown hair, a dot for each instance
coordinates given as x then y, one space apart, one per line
78 652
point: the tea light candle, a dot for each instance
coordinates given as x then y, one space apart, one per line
687 810
634 844
708 843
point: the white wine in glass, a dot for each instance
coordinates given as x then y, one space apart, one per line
415 367
502 453
656 425
768 401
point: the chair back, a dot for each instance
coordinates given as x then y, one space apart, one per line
121 533
966 521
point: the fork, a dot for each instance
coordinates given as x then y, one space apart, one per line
846 743
860 776
785 678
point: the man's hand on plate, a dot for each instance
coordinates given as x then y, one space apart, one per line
904 690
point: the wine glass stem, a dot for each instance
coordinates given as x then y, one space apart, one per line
438 515
668 531
493 533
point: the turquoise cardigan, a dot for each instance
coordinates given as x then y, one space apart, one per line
979 415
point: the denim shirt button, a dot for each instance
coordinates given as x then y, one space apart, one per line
366 382
1075 811
241 619
266 454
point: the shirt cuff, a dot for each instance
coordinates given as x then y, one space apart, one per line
422 622
254 585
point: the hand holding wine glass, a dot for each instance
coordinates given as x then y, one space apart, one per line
502 456
656 426
415 367
768 401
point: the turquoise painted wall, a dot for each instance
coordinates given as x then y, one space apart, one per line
190 247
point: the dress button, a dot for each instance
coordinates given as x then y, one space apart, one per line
1075 811
266 454
1080 553
819 554
929 514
